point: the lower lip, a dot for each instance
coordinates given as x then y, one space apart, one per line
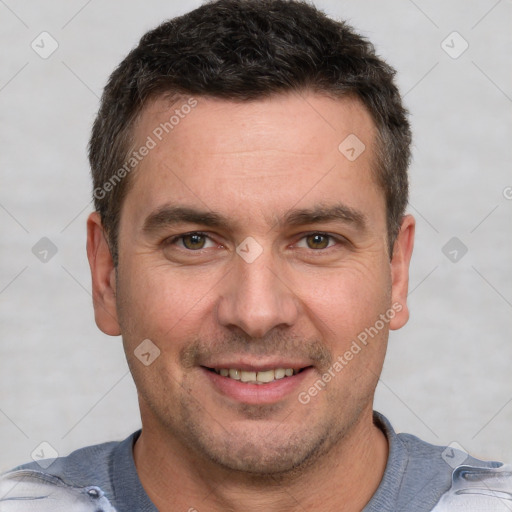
267 393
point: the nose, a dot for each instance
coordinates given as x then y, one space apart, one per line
256 297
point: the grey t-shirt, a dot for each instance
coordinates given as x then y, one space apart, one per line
417 475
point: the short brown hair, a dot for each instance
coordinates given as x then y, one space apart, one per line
247 50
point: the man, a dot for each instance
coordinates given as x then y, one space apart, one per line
251 246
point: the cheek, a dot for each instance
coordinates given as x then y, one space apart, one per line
347 298
160 303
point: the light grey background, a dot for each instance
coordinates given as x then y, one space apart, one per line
448 373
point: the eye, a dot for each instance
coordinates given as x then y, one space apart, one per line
194 241
317 241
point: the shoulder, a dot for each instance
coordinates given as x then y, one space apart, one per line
81 466
420 476
467 484
482 488
443 458
84 477
25 490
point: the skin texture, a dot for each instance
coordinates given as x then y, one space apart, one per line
300 302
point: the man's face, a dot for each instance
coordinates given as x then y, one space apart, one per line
249 241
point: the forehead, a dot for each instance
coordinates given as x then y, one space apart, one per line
277 122
254 158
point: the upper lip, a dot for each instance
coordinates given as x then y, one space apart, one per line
259 366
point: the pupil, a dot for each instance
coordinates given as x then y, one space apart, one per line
194 241
318 241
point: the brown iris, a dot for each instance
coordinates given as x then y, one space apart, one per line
194 241
317 241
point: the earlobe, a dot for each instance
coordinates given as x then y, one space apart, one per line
103 277
402 252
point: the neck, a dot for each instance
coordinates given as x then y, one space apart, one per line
344 478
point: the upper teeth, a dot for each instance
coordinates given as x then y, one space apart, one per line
256 377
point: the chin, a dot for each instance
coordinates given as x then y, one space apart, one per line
261 453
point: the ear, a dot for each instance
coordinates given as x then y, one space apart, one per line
402 252
103 277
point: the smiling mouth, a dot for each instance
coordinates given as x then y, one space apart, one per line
256 377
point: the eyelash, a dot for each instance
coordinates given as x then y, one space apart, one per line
338 239
174 239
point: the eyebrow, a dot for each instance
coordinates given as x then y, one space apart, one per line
317 214
169 215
